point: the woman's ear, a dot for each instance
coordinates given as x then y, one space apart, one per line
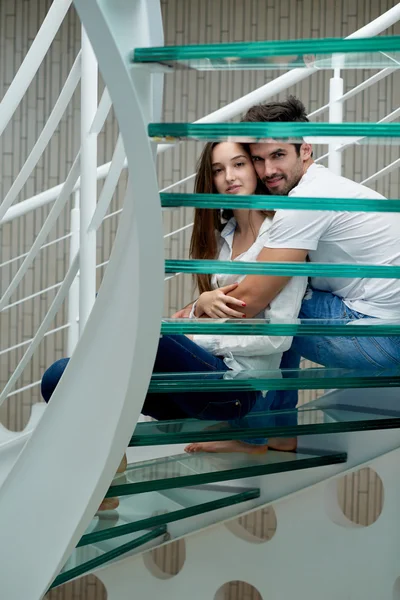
306 151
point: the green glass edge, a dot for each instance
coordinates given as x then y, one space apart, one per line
223 385
226 475
172 200
106 557
211 327
272 130
262 48
161 438
170 517
291 269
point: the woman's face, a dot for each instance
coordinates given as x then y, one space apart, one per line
233 170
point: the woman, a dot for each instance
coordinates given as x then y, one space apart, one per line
224 168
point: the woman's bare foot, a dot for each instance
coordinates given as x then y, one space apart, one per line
108 504
281 444
113 503
229 446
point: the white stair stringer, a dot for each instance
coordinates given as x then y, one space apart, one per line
315 549
12 442
65 468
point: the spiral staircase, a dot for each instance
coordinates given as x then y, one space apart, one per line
54 474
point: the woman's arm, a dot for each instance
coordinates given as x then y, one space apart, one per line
184 313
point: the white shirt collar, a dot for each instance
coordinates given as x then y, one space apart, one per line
229 229
309 174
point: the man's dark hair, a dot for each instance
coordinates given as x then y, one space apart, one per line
292 110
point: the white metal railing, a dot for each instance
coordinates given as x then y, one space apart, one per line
10 261
33 60
45 136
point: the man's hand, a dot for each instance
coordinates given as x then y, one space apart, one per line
257 291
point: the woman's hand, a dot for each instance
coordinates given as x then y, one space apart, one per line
184 313
215 303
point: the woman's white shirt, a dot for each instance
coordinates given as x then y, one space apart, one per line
250 351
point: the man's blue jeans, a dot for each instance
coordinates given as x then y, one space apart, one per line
178 354
364 353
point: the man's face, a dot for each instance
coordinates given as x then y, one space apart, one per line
279 166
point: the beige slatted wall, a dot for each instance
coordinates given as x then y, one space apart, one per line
187 96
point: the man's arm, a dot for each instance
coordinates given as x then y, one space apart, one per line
257 291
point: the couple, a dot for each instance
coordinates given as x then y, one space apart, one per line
286 236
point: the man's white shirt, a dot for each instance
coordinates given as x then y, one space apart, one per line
343 237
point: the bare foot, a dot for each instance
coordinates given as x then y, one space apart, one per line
113 503
123 464
108 504
281 444
229 446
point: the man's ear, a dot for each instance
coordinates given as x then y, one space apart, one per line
306 151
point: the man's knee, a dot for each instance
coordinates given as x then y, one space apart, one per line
51 378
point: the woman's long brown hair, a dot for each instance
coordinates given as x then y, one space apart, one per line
207 221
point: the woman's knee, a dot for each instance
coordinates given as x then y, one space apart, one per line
51 378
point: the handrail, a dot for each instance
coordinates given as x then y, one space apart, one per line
232 109
354 91
32 60
55 286
51 313
56 241
45 135
59 284
394 165
24 388
387 119
26 342
44 232
395 114
111 182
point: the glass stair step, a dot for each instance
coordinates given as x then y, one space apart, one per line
386 133
368 327
154 509
186 470
308 269
327 53
84 560
267 202
284 423
279 379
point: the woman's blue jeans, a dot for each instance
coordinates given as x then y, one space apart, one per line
179 354
363 353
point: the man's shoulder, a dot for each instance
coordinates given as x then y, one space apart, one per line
321 182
